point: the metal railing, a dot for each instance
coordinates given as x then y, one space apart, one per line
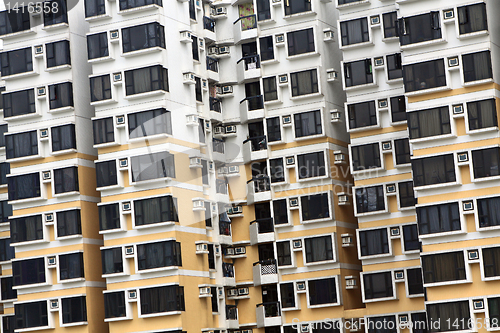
261 183
212 64
264 225
257 142
208 24
215 104
271 309
250 61
247 22
218 145
267 266
254 102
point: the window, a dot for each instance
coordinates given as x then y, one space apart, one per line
297 6
143 36
266 46
21 144
301 41
109 217
97 45
152 166
477 66
4 171
390 29
112 260
443 267
491 261
277 170
486 162
197 90
378 285
69 223
63 137
287 292
71 266
270 89
354 31
414 281
322 291
326 326
263 10
24 186
7 291
315 207
104 131
284 253
5 211
14 21
201 130
494 311
8 324
33 314
160 254
386 324
61 95
3 130
94 8
58 54
373 242
304 82
152 122
358 72
424 75
366 156
74 309
280 211
25 229
211 258
114 305
311 165
419 28
162 299
100 88
402 151
394 67
488 211
19 103
362 114
28 271
53 17
192 10
406 194
146 79
66 180
155 210
318 249
215 300
438 218
370 199
472 18
194 46
398 109
106 173
16 62
307 123
410 238
433 170
482 114
208 214
450 312
430 122
128 4
273 129
6 251
419 321
204 172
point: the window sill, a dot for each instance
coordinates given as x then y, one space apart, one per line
103 102
353 4
18 34
295 308
58 68
106 145
154 225
72 280
478 82
273 102
269 62
292 16
446 283
266 22
65 194
55 26
428 187
39 328
109 187
395 81
474 34
442 234
303 55
80 323
145 94
372 213
19 75
357 45
293 98
361 86
111 275
287 266
309 179
17 201
376 256
320 263
402 166
323 305
382 299
169 313
158 269
32 242
139 9
485 179
24 158
62 109
427 91
34 285
483 130
369 170
111 231
390 39
102 59
107 320
399 123
62 238
11 300
153 49
365 128
404 209
97 17
64 152
423 44
151 181
415 296
434 137
23 116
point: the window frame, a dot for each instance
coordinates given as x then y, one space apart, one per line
395 153
289 38
168 172
436 63
104 89
162 81
158 38
466 269
351 112
165 313
177 257
102 49
407 283
316 174
46 315
475 81
315 83
323 305
126 306
39 228
469 118
75 174
109 174
364 33
59 270
121 224
175 213
104 123
330 208
47 275
310 136
79 225
54 57
378 255
399 185
483 153
322 262
59 128
378 299
379 211
292 254
448 206
121 249
427 185
82 298
360 168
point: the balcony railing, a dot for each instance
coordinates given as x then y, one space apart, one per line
257 142
224 228
227 270
247 22
212 64
271 309
267 266
261 183
254 102
215 104
265 225
218 145
231 312
251 61
208 24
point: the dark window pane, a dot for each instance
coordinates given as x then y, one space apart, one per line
394 67
273 129
477 66
109 217
21 144
402 151
419 28
66 180
100 88
430 122
315 207
69 223
358 73
366 157
277 170
318 249
486 162
7 252
106 173
16 62
307 123
24 186
449 312
354 31
74 309
24 229
19 103
266 46
438 218
143 36
311 165
472 18
97 44
373 242
322 291
378 285
390 20
305 82
61 95
128 4
7 291
433 170
114 304
94 8
385 324
398 109
414 280
162 299
370 199
104 131
491 261
362 114
71 266
155 210
300 42
57 54
152 122
284 253
146 79
482 114
297 6
152 166
28 271
58 16
4 171
263 10
287 292
406 194
160 254
424 75
5 211
488 211
270 89
14 21
63 137
33 314
112 260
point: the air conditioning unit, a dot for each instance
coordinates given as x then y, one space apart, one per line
189 78
478 304
473 254
226 90
283 78
240 250
41 91
230 129
235 210
129 250
229 251
39 49
403 319
192 120
468 205
386 145
453 62
54 304
335 116
117 77
126 206
201 248
243 291
246 331
390 188
123 162
297 244
399 275
233 168
374 20
114 34
208 125
331 75
46 175
304 328
224 50
280 38
382 103
343 199
294 202
463 157
347 240
132 294
290 160
378 61
232 292
395 231
205 290
339 156
287 120
44 133
198 204
120 120
186 37
448 14
328 35
218 130
195 162
458 109
301 286
213 50
350 282
222 170
201 44
51 261
49 217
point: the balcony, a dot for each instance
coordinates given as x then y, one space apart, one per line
213 69
218 150
268 314
245 29
221 191
258 189
209 28
228 275
254 149
215 105
248 68
262 231
265 272
252 108
232 317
